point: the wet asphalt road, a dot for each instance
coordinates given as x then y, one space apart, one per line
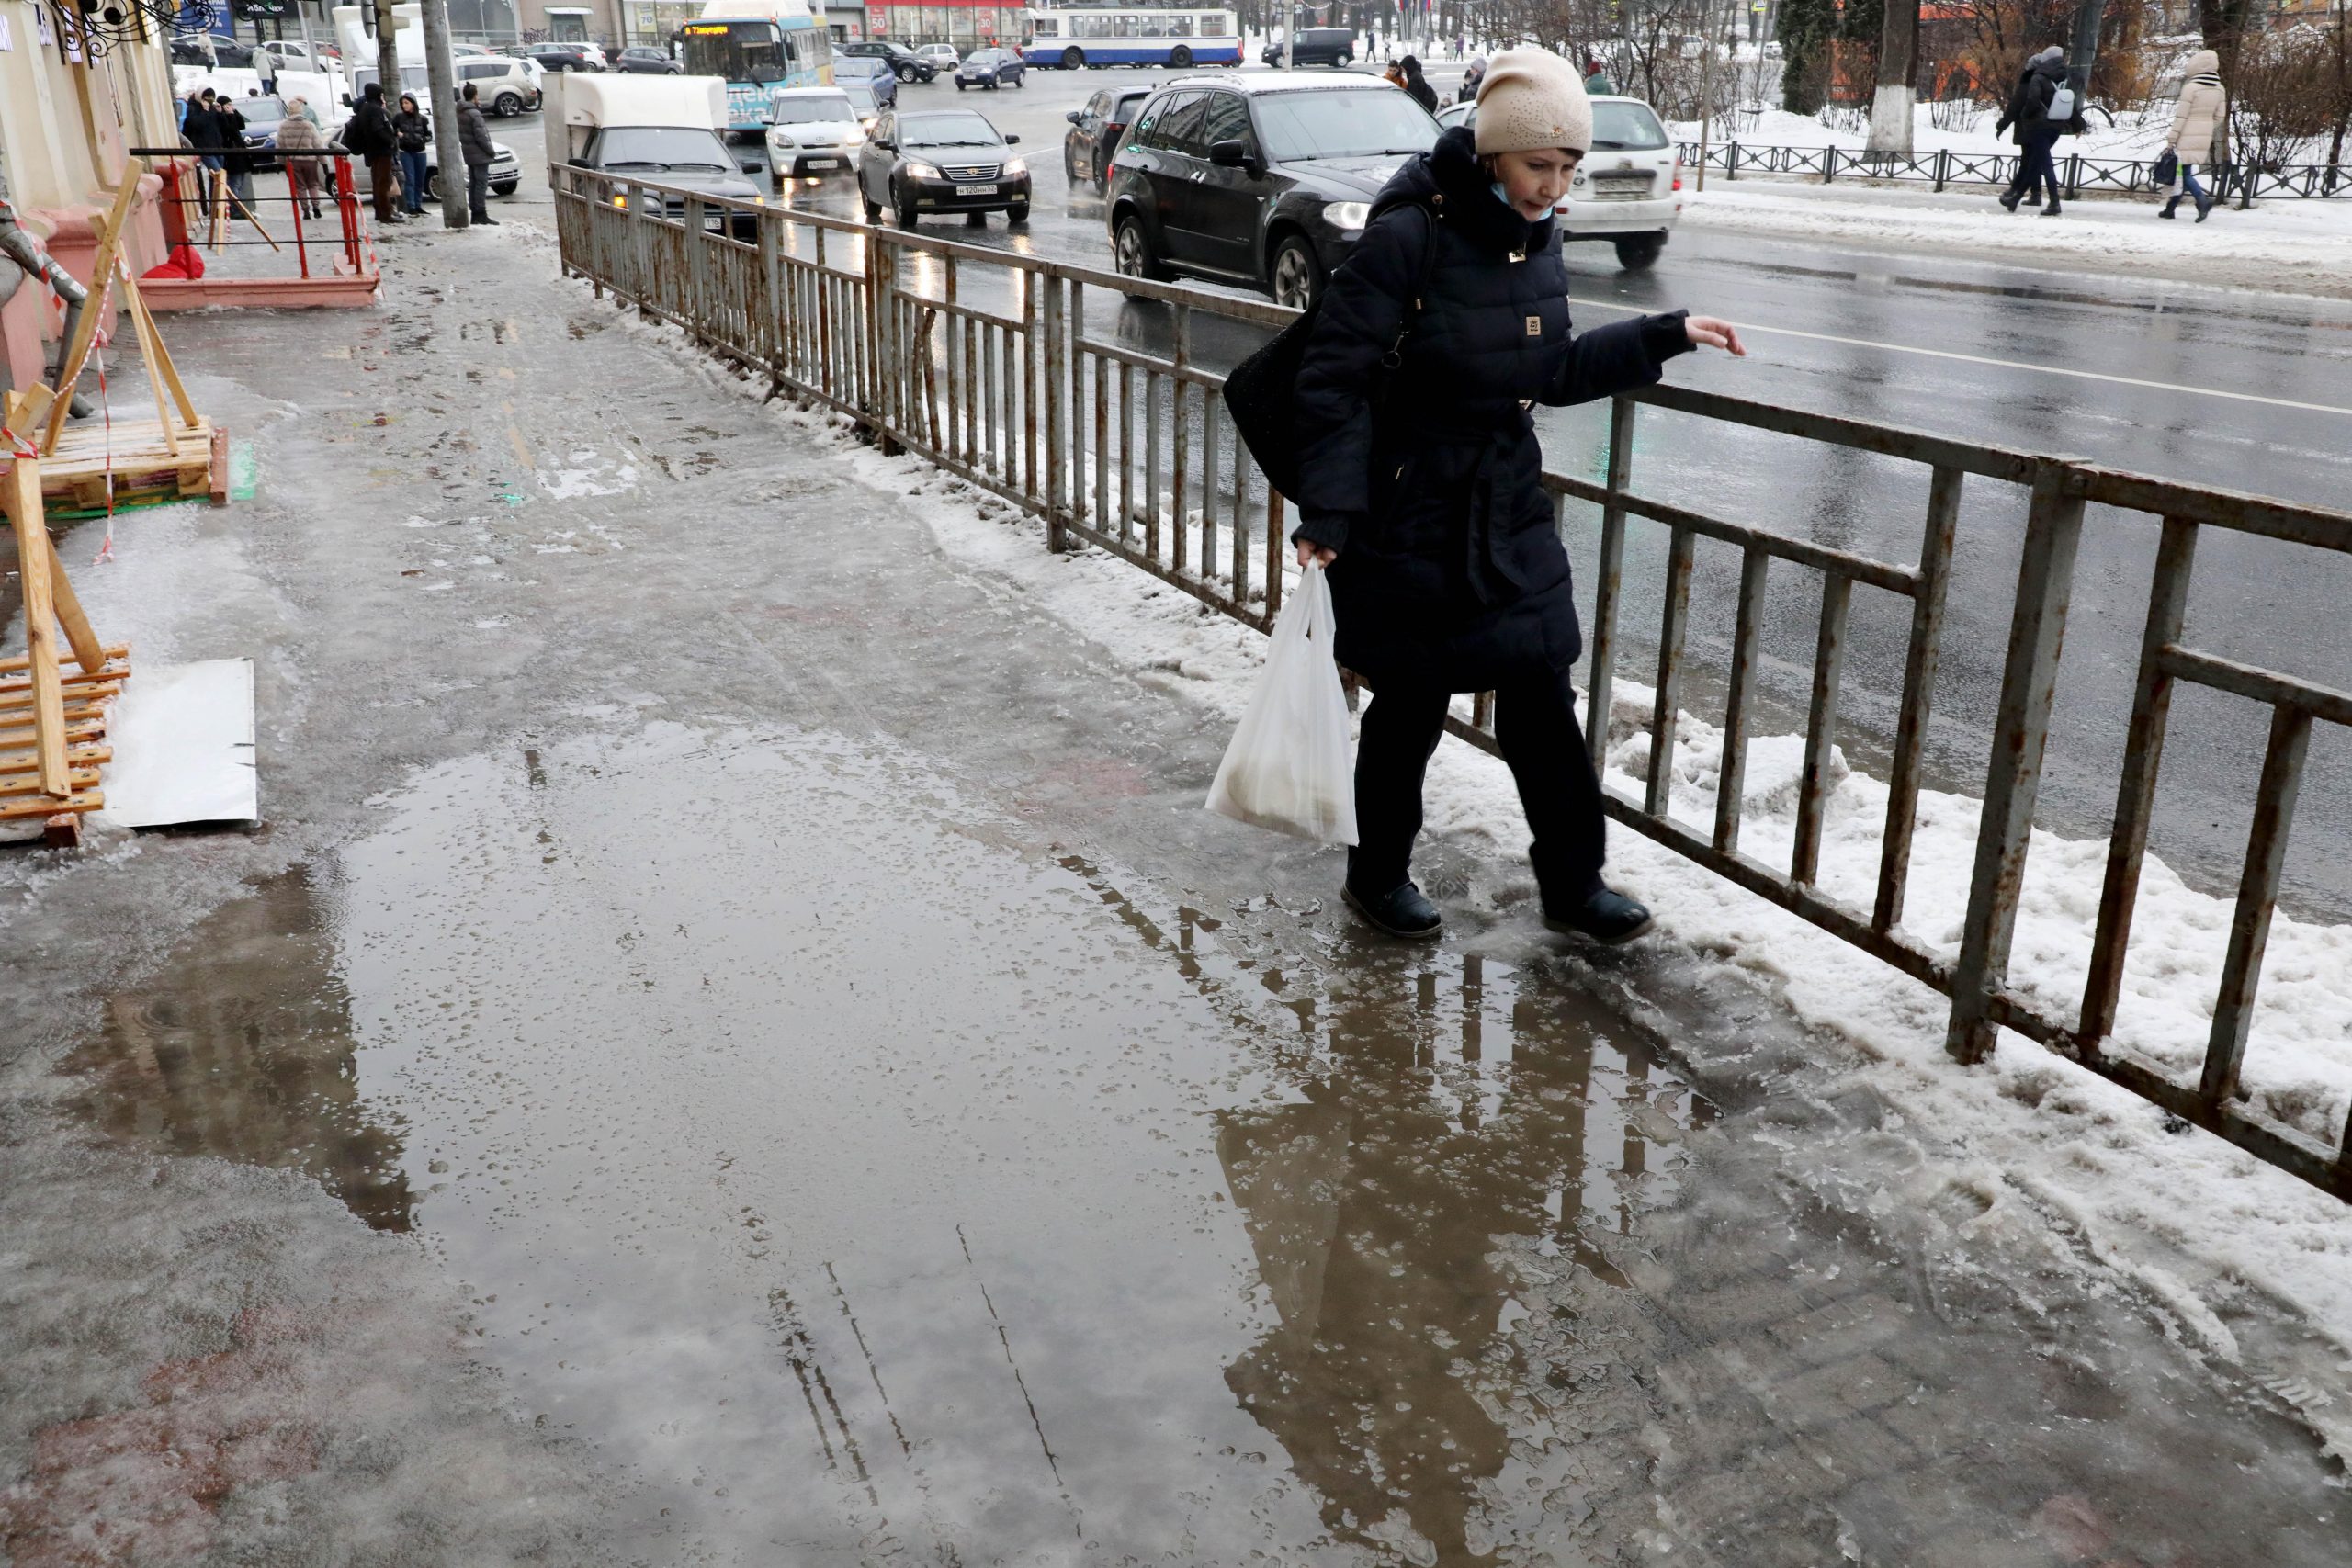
1831 331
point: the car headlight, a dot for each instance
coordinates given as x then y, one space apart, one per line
1014 168
1347 214
921 171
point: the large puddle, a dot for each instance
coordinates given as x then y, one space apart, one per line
853 1175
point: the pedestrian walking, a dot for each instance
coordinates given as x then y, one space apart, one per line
473 131
369 134
299 138
1420 484
2200 120
1423 93
2028 116
412 133
1595 78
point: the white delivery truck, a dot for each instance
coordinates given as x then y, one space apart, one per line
664 130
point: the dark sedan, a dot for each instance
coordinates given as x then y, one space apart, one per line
941 160
564 57
1263 180
641 60
992 68
1094 133
904 63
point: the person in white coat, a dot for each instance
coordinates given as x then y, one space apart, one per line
2199 129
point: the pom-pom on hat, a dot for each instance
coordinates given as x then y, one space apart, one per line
1531 100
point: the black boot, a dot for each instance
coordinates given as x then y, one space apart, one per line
2050 210
2204 211
1401 911
481 218
1604 916
2169 208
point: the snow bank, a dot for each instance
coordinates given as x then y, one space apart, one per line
2299 246
2130 136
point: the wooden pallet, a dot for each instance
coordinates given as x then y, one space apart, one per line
52 721
177 453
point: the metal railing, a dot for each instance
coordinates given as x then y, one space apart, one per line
988 364
2076 172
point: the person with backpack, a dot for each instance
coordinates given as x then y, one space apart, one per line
370 135
1423 93
412 134
1420 484
2200 119
2044 106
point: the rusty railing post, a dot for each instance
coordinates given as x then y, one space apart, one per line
1056 379
1610 572
2013 775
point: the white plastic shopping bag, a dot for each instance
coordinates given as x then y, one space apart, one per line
1287 766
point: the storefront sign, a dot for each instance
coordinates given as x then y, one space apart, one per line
878 20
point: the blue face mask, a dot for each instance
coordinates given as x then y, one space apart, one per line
1503 196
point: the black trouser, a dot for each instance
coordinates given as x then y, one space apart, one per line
1535 721
2035 165
478 190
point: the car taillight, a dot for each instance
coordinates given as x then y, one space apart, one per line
1113 127
1678 171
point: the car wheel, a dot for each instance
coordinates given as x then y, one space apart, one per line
507 189
1297 274
1180 57
903 74
1637 254
1072 59
1070 169
1017 214
1132 248
961 83
507 106
904 211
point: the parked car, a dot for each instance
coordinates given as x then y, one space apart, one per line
217 49
812 130
992 68
1627 190
645 60
1313 46
874 74
1263 180
566 57
263 116
1094 133
504 86
663 130
941 160
940 56
506 171
906 63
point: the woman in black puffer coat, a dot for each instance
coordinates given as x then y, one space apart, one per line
1422 487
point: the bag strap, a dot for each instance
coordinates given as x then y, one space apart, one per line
1395 358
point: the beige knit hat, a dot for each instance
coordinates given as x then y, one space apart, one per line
1532 99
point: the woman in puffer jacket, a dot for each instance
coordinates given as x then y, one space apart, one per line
2200 127
1421 484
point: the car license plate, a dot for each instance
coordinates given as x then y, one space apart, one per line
824 163
1620 187
976 190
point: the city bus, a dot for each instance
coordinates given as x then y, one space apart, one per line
1077 36
756 46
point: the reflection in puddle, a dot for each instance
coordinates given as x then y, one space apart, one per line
244 1050
845 1173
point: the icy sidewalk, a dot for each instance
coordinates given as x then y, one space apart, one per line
2288 246
2249 1265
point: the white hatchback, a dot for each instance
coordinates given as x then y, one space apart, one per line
1628 189
940 56
812 131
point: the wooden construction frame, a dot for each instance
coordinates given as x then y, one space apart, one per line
52 724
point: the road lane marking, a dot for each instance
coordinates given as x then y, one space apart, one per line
2012 364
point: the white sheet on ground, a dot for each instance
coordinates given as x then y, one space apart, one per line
183 740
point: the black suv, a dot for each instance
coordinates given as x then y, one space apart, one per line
1265 180
905 63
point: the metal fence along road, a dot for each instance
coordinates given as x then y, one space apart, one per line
983 362
2076 173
